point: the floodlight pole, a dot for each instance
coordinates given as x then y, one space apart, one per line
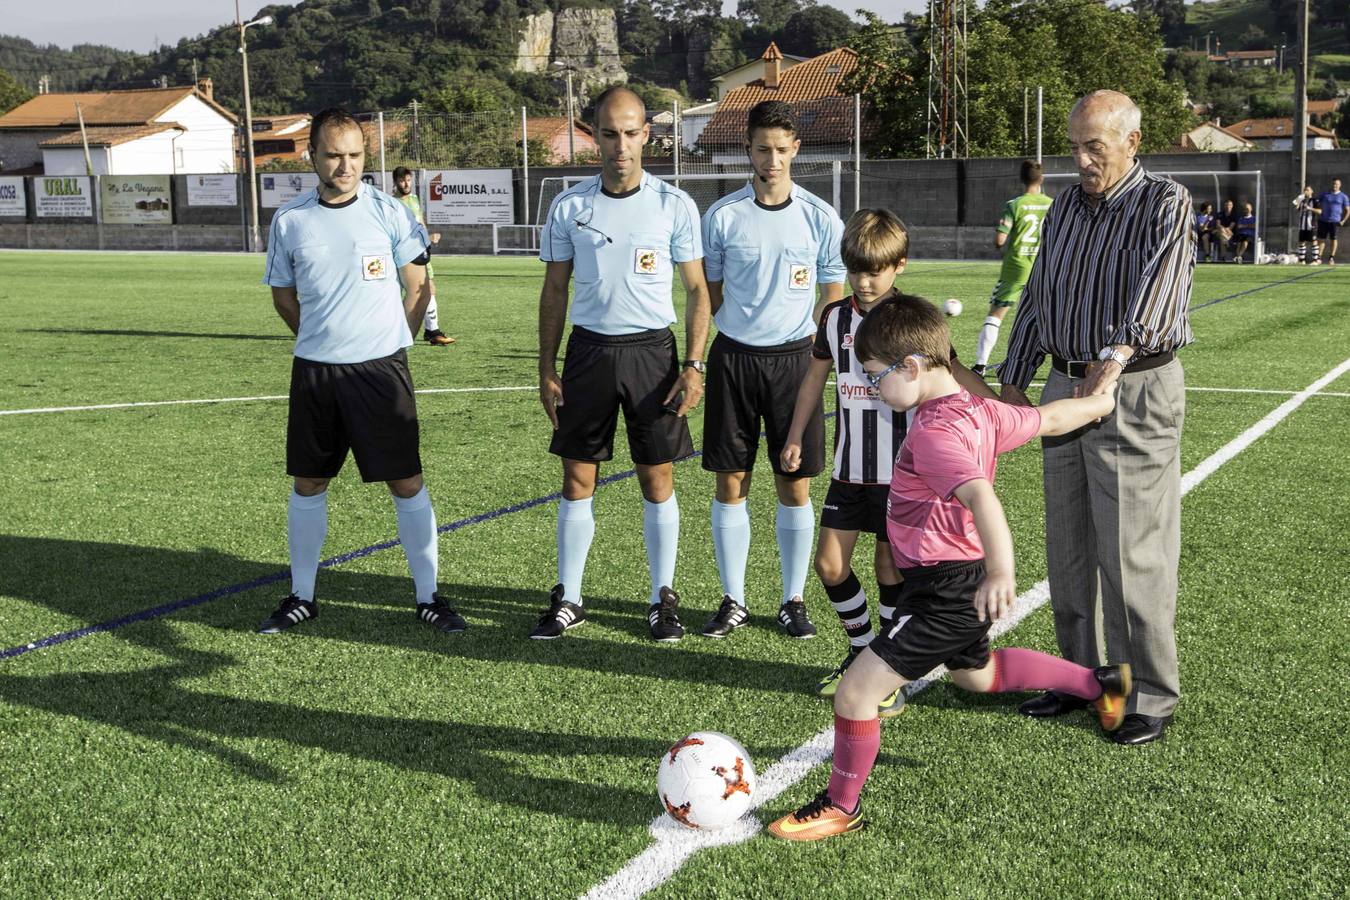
248 126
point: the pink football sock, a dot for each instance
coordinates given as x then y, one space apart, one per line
1016 669
856 743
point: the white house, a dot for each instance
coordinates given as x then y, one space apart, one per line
160 131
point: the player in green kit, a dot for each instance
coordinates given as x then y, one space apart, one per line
403 191
1019 236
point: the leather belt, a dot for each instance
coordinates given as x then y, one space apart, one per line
1076 369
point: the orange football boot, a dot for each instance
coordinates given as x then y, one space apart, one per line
1110 706
816 820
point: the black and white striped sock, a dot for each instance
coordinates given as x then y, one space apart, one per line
850 603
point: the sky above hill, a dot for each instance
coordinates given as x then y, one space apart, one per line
154 22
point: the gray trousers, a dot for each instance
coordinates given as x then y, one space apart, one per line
1113 533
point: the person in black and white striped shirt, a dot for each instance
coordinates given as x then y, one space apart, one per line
1107 299
1309 248
875 248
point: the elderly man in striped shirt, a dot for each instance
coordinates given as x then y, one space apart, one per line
1107 300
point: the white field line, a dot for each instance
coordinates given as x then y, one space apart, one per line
209 401
674 844
62 409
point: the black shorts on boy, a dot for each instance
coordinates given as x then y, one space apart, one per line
935 621
855 507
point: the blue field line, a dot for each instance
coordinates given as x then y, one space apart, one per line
156 612
1261 288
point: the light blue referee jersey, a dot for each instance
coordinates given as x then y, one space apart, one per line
769 260
343 262
623 250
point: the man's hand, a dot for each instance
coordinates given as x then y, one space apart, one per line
1013 394
791 457
995 595
1101 378
690 384
550 394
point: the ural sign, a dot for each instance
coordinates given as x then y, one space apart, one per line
65 197
470 197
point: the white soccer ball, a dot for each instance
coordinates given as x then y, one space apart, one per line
706 781
952 307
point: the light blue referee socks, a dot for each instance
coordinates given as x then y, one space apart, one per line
731 542
661 530
417 533
796 528
576 527
306 527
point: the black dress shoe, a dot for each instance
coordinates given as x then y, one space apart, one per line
1141 729
1051 704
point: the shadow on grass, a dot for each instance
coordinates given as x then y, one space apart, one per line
128 332
96 582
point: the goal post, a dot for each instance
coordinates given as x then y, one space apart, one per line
1246 186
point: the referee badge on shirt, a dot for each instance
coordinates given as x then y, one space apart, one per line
645 262
799 277
372 268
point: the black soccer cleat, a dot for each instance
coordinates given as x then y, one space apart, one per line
792 616
560 616
441 615
290 613
664 619
979 369
730 616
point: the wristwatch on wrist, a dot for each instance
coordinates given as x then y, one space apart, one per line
1111 354
697 365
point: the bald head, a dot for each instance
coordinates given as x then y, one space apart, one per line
1113 109
618 101
1103 138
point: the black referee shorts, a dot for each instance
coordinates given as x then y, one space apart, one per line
856 507
935 621
747 384
367 407
605 373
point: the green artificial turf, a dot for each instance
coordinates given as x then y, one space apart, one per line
366 755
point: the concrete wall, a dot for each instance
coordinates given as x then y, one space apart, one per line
950 206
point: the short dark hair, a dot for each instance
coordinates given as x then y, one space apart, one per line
770 114
401 172
613 91
874 239
1032 172
901 326
1206 206
332 117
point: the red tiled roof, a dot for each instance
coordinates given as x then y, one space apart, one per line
123 108
824 115
1272 128
109 136
1251 54
546 128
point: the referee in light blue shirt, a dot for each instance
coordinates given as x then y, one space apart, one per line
772 259
335 260
619 237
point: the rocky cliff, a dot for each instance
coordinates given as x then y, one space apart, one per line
585 39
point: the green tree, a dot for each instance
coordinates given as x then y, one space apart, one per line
771 14
1171 16
1254 38
11 92
816 30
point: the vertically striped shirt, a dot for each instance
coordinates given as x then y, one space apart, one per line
867 432
1118 272
1307 212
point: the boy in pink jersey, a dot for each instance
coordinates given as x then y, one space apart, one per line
951 542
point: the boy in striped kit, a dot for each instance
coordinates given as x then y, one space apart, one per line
867 437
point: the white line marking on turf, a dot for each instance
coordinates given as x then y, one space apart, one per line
674 844
61 409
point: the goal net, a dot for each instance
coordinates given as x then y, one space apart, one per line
1206 187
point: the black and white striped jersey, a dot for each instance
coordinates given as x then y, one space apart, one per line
867 432
1307 212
